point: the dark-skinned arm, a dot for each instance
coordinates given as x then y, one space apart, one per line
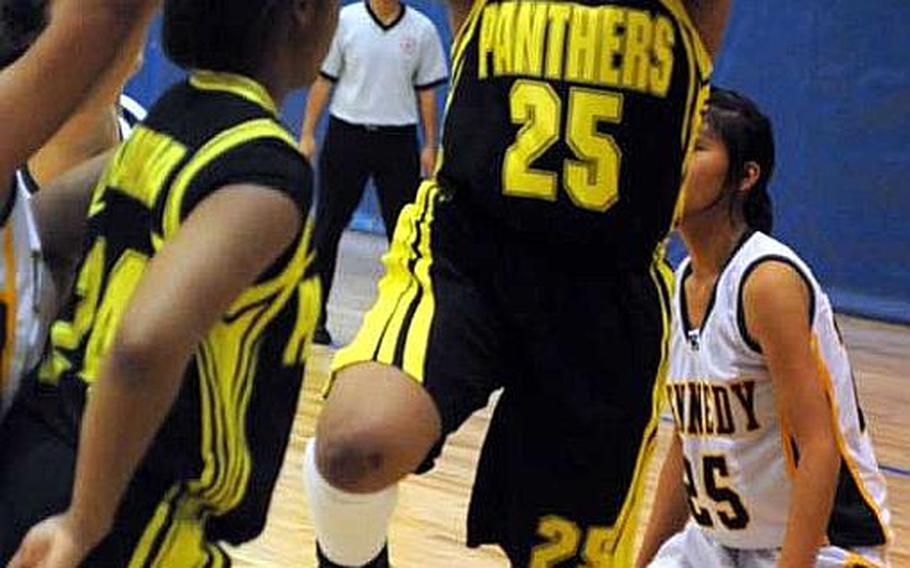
61 214
46 85
228 240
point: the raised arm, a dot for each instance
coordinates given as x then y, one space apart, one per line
710 17
43 88
186 287
776 302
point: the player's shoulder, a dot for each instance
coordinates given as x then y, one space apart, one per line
419 19
760 243
762 248
352 13
194 114
768 266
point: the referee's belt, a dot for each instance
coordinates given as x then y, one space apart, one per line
382 128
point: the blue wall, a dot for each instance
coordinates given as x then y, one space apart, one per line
834 75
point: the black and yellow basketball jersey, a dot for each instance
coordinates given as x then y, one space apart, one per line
221 447
571 121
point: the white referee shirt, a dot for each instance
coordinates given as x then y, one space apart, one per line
377 68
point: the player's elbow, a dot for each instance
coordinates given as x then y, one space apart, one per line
143 361
821 449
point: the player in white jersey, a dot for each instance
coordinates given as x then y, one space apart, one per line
771 463
27 280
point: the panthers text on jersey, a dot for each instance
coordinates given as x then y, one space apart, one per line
571 121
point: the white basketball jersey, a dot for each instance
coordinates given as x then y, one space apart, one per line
27 295
740 456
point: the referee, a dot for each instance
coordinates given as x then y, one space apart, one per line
384 66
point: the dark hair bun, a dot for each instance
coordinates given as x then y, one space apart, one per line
219 35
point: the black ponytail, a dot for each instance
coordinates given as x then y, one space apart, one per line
748 137
758 210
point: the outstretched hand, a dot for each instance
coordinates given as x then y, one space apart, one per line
52 543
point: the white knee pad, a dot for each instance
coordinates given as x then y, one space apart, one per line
351 528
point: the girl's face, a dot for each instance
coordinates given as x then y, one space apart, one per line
707 173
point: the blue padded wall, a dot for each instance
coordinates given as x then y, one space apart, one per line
834 75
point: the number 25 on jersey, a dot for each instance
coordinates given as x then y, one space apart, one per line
592 180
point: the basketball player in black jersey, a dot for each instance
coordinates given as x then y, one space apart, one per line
178 359
532 262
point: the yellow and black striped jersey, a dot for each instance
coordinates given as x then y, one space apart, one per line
571 121
222 445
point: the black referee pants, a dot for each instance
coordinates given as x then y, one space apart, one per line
351 154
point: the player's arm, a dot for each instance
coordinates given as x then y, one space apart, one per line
321 92
228 240
670 511
430 74
426 101
710 17
317 98
61 214
776 302
45 86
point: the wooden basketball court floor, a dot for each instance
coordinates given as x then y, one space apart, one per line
428 527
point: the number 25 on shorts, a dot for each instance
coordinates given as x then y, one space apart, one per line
592 181
564 540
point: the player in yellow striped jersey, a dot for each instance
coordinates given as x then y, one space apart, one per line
533 262
178 359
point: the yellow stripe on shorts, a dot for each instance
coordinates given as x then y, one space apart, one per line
396 330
